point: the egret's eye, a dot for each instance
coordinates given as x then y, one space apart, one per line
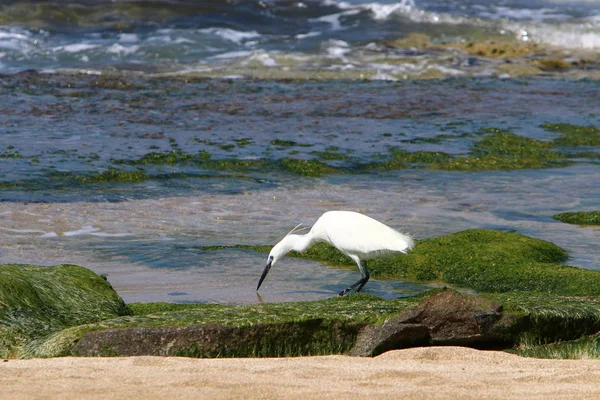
271 258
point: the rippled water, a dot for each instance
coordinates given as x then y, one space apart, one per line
145 89
327 38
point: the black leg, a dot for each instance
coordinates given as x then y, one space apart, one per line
365 277
361 282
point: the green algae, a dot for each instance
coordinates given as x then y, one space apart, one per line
10 152
579 218
171 157
574 135
37 300
493 149
330 154
283 143
111 175
586 347
503 150
402 159
243 142
497 149
307 167
546 317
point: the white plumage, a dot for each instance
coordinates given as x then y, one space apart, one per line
359 237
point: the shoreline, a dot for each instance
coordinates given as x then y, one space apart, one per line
418 373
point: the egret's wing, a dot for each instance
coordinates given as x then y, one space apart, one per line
354 233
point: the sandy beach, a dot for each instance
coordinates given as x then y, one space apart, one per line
420 373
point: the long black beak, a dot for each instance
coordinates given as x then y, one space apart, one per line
264 274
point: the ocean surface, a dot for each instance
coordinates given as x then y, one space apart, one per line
91 87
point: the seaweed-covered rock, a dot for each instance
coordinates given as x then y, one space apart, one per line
37 300
311 337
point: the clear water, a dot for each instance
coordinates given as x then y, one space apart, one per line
147 236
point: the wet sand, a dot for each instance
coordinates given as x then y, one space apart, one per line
421 373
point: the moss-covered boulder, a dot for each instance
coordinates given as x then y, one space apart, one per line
37 300
277 329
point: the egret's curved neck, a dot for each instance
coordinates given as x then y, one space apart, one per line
300 243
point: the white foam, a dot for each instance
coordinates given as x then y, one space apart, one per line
302 36
85 230
380 11
76 47
334 19
90 230
262 57
384 11
564 35
382 76
23 230
104 234
128 38
232 55
231 35
122 50
49 235
337 48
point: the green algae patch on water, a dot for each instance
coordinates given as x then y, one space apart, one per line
574 135
37 300
402 159
110 175
579 218
307 167
503 150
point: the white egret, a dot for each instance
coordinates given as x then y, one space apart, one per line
359 237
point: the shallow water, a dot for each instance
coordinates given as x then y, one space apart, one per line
144 89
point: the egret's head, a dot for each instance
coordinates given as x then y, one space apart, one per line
277 252
287 244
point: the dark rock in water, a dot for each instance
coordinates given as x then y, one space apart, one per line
310 337
447 318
